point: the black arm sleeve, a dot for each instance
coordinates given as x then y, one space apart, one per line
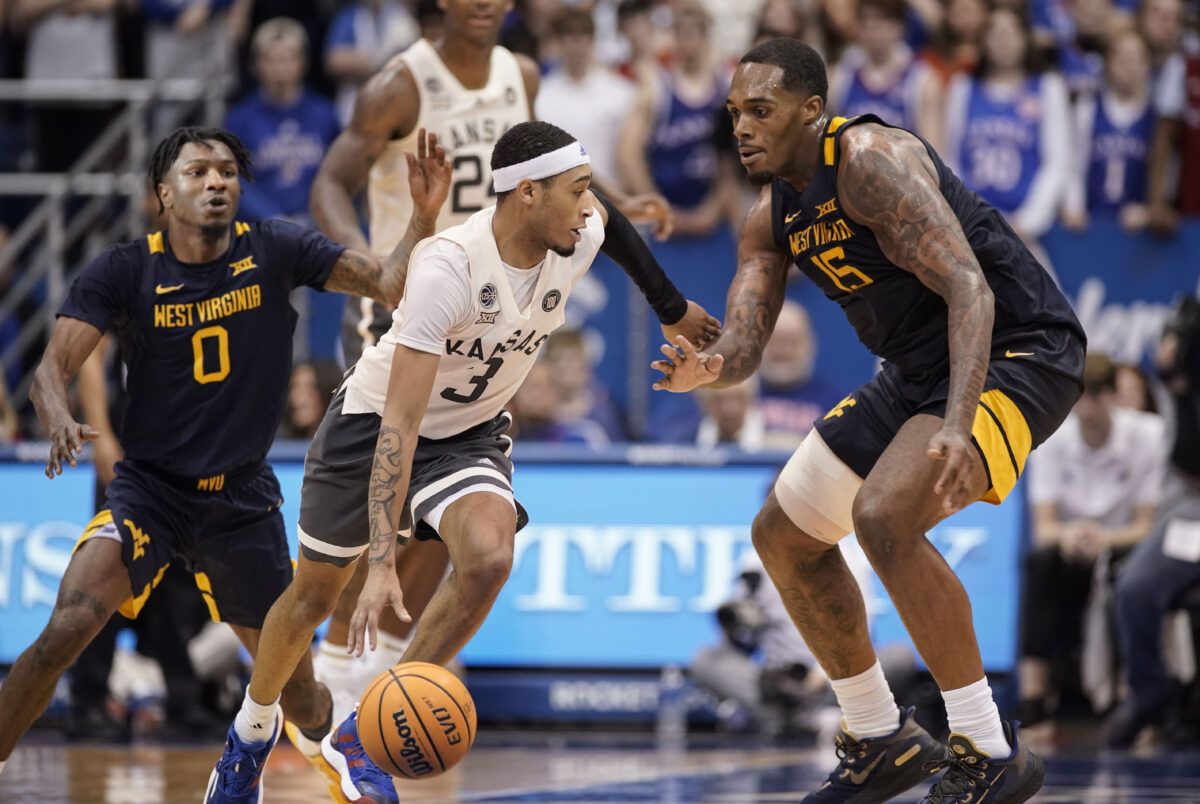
624 246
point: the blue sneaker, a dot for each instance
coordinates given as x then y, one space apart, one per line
238 775
361 778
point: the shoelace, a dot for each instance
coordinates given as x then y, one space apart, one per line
961 777
237 771
849 753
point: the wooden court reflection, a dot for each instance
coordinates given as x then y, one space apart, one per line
555 767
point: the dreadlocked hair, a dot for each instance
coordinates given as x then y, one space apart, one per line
167 151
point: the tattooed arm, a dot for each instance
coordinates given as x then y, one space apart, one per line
361 274
755 297
887 182
409 386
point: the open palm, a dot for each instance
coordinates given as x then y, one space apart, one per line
428 175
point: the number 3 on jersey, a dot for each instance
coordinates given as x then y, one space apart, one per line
221 336
480 383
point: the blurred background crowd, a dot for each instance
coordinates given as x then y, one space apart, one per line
1053 110
1058 112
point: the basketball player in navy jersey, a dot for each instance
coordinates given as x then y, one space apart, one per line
202 314
982 360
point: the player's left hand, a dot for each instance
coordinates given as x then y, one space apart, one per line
65 441
428 175
653 209
955 449
696 325
381 589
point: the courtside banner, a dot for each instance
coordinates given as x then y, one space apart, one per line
626 557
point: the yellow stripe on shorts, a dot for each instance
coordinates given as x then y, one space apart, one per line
133 605
206 592
1003 436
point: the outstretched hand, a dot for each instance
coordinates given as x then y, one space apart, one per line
684 368
428 175
954 482
381 589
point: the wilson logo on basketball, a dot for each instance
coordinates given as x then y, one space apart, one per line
410 750
416 720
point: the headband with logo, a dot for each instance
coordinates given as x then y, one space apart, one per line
540 167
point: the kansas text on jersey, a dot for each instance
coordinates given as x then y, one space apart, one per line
487 322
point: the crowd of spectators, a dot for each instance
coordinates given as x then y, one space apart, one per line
1051 110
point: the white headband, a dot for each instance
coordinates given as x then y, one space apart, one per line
540 167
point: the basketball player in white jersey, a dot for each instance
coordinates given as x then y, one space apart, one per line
468 91
415 444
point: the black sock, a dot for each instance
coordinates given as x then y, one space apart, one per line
317 734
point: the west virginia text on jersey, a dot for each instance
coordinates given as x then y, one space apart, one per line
893 313
208 346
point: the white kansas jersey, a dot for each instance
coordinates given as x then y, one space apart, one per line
467 122
487 320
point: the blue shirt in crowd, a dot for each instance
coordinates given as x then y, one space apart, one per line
286 145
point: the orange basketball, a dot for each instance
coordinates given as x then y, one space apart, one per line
417 720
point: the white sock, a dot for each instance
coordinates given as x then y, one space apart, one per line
972 713
255 722
393 646
3 762
333 655
868 706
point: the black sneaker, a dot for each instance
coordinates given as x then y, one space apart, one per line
974 776
878 768
1126 722
93 724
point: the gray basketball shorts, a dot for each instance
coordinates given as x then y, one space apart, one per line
334 519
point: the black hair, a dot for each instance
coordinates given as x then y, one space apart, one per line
803 68
167 151
526 141
1036 61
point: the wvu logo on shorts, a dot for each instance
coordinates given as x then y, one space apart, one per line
241 266
140 539
840 408
214 483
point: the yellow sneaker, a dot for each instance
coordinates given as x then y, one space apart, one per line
311 750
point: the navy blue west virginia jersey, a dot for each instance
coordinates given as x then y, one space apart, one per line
896 316
208 346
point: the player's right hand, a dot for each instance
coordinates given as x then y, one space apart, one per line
685 368
381 589
428 175
65 441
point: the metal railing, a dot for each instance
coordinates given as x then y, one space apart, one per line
98 201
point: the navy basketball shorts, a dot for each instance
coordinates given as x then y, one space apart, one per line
1023 402
334 517
227 529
